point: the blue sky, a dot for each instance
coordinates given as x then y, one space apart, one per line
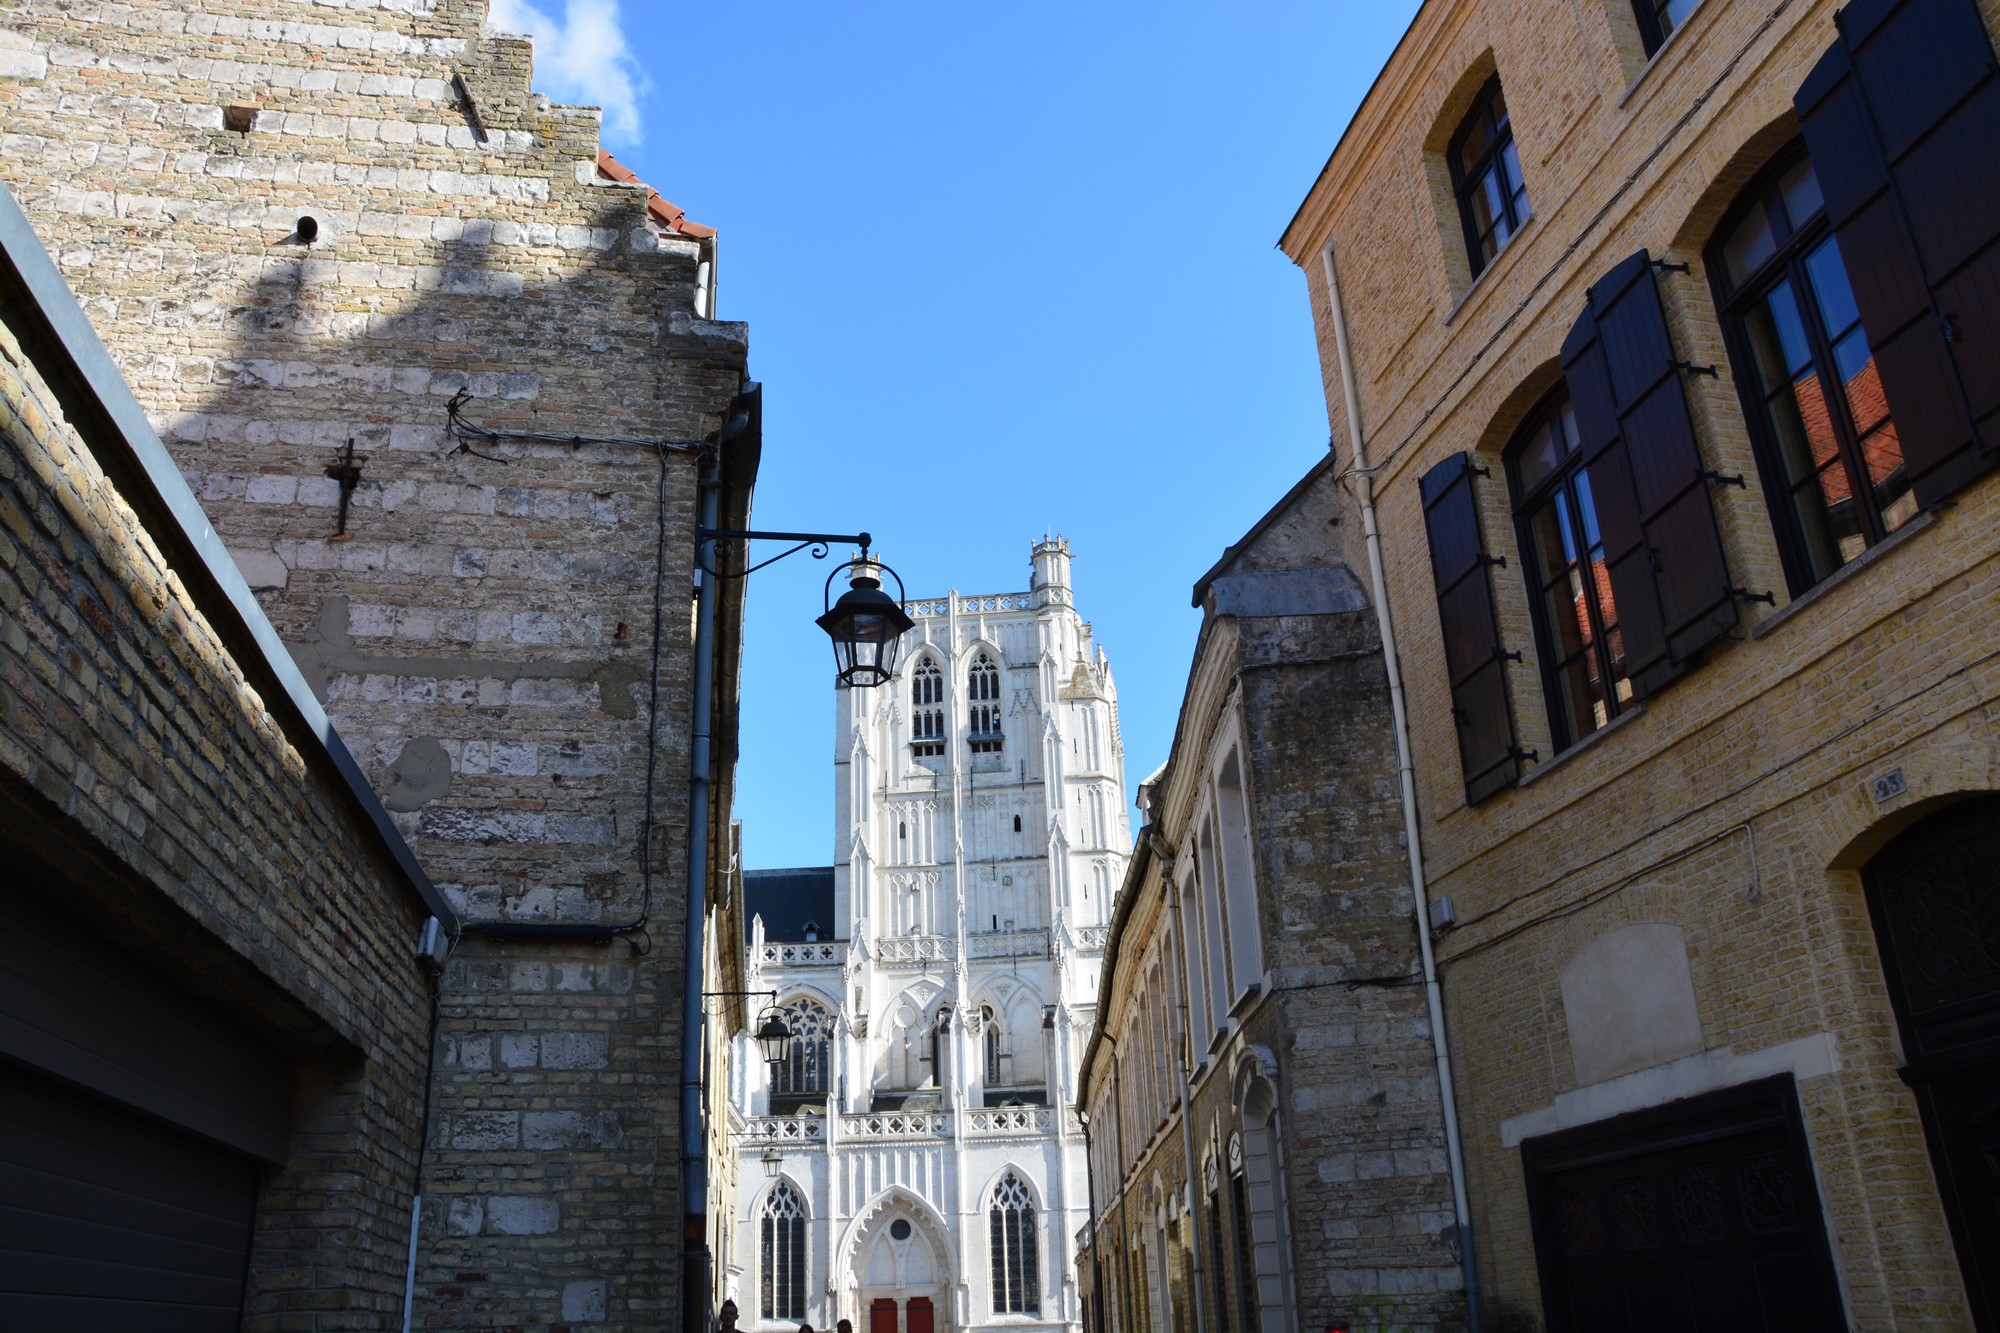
1006 268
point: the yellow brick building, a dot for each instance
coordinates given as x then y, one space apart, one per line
1658 339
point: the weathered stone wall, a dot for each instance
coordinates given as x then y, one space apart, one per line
482 630
210 837
1368 1176
1736 807
1288 671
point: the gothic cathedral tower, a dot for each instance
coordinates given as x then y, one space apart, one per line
916 1164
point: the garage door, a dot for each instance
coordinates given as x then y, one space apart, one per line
135 1127
1699 1215
113 1220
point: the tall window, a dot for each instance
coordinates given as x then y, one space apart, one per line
1833 464
926 708
990 1025
801 1075
1576 617
1239 1204
982 688
1486 175
1659 18
1219 1304
784 1255
1016 1283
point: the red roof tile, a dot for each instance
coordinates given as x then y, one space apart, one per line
663 213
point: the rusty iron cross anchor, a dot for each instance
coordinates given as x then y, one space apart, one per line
348 473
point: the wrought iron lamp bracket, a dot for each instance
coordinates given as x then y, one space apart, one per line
820 543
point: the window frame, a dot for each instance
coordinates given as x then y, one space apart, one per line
1464 181
1015 1247
787 1229
1653 34
927 707
984 701
1557 487
808 1058
1734 302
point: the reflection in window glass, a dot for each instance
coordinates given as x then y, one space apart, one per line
1576 614
1486 174
1812 386
1659 18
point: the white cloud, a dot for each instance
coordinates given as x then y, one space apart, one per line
582 57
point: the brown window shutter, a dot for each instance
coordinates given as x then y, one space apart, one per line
1902 116
1471 634
1669 582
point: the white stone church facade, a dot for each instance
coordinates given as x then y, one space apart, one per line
917 1165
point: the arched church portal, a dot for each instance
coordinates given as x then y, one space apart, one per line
899 1271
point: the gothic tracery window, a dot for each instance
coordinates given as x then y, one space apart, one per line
1016 1281
991 1026
983 693
926 708
802 1073
784 1255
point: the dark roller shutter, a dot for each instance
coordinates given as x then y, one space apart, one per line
111 1220
1471 635
1902 117
1664 555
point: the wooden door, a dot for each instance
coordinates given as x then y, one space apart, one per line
918 1316
1934 893
1702 1214
882 1316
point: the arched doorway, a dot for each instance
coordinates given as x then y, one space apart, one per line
1934 894
901 1270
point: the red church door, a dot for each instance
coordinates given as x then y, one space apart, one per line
918 1317
882 1316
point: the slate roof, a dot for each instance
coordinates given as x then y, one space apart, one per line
787 900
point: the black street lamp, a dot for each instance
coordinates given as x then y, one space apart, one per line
866 624
773 1037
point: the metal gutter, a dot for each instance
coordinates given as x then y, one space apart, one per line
99 403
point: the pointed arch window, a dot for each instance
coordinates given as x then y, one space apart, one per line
983 693
801 1076
990 1025
783 1253
1016 1279
926 708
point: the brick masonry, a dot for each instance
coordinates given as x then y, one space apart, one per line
1736 807
220 843
482 632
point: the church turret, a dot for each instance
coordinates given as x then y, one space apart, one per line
1051 560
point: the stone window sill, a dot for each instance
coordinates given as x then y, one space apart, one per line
1479 284
1668 49
1540 771
1923 522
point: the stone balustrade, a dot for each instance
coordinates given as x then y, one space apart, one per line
913 950
1008 1120
897 1125
822 953
1032 943
785 1129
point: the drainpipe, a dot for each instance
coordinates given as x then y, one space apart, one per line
1419 890
694 1129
